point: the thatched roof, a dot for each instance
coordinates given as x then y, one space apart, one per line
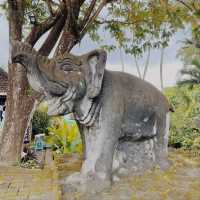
3 81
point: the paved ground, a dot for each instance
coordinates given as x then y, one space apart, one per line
180 182
27 184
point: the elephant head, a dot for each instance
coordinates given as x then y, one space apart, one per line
66 80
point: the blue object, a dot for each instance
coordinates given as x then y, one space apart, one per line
69 121
39 142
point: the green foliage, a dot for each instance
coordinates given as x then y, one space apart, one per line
183 130
63 137
40 122
35 9
188 52
193 75
196 143
30 164
43 107
138 25
29 91
131 24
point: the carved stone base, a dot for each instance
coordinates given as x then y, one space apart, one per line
136 157
130 158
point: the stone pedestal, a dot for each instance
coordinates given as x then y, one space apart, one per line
49 158
138 156
40 157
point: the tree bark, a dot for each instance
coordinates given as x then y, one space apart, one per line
161 68
138 68
121 59
146 64
18 105
18 109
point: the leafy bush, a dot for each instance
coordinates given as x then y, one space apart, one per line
40 122
64 137
183 130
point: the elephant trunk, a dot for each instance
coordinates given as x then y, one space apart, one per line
22 53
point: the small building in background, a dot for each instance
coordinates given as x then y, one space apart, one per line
3 94
3 86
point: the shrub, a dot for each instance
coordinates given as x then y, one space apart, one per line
183 128
64 137
40 122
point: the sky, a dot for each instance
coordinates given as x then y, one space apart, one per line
172 64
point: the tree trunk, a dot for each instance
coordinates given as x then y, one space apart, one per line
18 109
121 59
137 67
19 104
161 69
147 63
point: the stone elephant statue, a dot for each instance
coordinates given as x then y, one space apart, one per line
123 120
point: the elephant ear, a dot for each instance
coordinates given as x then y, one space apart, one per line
96 61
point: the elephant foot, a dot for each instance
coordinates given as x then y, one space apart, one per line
89 183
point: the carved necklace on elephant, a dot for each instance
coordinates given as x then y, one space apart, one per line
88 111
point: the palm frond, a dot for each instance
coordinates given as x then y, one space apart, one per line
192 73
196 63
190 82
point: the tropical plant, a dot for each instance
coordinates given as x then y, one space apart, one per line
184 131
40 122
190 75
63 137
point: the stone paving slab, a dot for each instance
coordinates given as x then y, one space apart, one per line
180 182
28 184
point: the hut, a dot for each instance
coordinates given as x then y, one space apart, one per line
3 86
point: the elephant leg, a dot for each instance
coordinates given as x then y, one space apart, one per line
96 171
161 141
162 133
81 128
100 145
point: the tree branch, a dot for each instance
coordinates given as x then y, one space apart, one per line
88 14
49 5
93 17
38 30
70 33
185 4
118 22
53 36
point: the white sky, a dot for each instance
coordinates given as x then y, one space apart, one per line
171 63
